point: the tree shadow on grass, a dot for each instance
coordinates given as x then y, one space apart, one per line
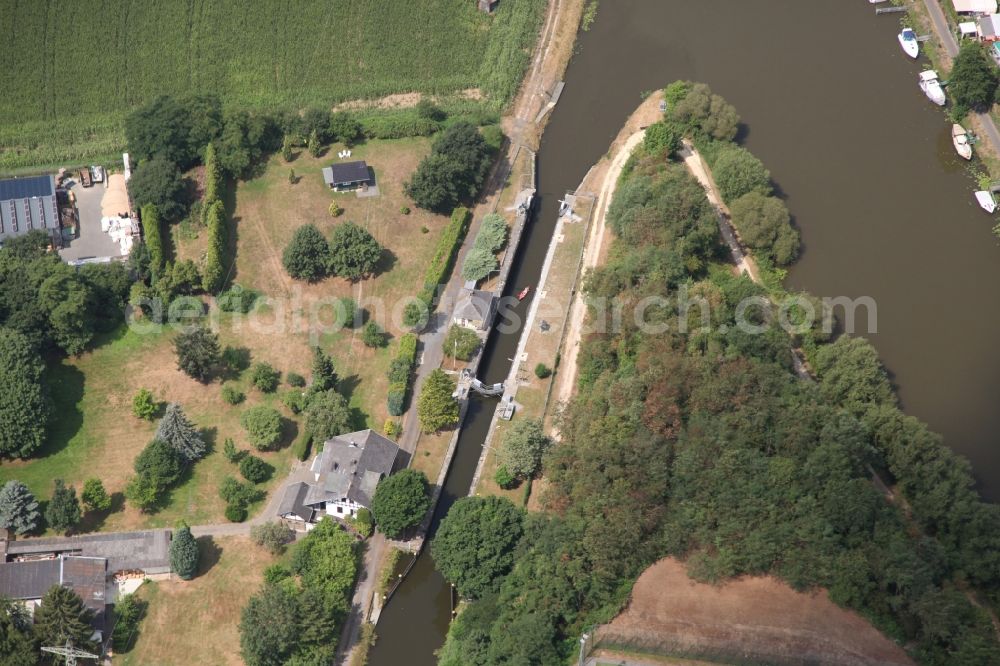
209 554
386 262
289 432
93 521
66 388
347 385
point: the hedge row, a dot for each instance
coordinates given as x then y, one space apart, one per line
400 373
214 275
153 235
444 257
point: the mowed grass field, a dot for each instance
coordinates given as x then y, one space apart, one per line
72 71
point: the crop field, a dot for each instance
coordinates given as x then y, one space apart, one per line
74 70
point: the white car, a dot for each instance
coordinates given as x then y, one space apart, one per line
97 173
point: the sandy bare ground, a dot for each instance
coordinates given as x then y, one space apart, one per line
400 100
758 618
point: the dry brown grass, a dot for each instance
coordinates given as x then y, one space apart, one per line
758 618
197 621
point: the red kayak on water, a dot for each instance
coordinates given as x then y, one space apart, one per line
523 294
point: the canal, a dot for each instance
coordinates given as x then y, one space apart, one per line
830 104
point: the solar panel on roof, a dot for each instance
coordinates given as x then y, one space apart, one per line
23 188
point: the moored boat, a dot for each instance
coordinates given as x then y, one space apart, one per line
960 139
524 293
908 40
929 83
986 201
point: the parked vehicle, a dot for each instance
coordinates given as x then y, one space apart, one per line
97 173
85 177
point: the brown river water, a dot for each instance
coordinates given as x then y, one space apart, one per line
831 105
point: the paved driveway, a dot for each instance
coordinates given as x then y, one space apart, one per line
91 241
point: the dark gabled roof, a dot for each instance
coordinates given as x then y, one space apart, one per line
474 304
87 576
25 188
293 502
345 173
28 580
148 550
351 466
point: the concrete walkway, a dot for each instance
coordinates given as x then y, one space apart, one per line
950 46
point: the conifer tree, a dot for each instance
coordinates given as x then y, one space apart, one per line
178 432
18 508
63 510
63 617
184 553
324 375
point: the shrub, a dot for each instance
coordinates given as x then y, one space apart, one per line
236 359
504 478
441 263
295 379
276 573
363 522
373 336
416 314
542 371
264 377
238 494
461 343
129 612
231 453
300 449
94 496
661 138
349 315
263 424
392 429
144 406
335 210
396 399
237 299
404 210
232 395
295 399
236 513
273 536
255 470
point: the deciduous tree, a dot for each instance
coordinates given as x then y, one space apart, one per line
307 256
354 253
400 502
524 444
24 406
94 496
461 343
158 182
327 415
263 425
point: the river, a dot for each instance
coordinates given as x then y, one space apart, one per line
831 105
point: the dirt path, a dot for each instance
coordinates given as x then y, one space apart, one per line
754 618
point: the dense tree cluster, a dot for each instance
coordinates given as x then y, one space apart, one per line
400 502
693 107
352 253
297 619
436 407
453 172
24 407
973 81
701 443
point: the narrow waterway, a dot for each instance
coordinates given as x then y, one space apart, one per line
831 106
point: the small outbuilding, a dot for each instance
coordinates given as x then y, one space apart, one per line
975 6
347 175
475 308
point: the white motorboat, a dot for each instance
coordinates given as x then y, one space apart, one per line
986 201
960 139
931 86
908 40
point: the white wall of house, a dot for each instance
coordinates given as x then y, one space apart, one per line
343 508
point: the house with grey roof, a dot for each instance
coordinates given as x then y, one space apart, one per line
342 176
343 476
27 204
475 308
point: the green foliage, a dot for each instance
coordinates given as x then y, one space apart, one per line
144 406
523 446
255 470
286 148
213 177
392 429
159 466
313 145
454 170
173 129
400 502
197 352
436 407
129 612
296 400
229 450
184 553
263 425
236 359
461 343
439 270
307 256
235 513
24 406
152 234
264 377
417 312
661 139
324 375
479 263
345 128
396 398
178 432
851 374
737 172
363 522
973 81
268 627
300 449
18 508
695 108
237 299
327 415
157 182
543 371
354 253
238 494
493 136
474 545
214 275
401 366
373 336
274 536
63 617
295 379
503 477
63 510
232 395
144 492
492 233
764 225
94 496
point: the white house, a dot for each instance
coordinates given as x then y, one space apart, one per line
975 6
344 477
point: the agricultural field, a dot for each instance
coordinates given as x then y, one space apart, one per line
73 71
